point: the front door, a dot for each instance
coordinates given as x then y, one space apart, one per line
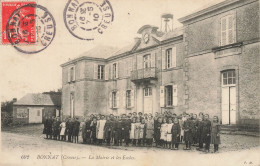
228 99
148 100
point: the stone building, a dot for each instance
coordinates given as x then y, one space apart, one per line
209 65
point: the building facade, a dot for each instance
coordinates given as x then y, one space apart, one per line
209 65
36 107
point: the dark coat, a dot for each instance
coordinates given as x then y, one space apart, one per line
206 130
157 130
176 130
188 126
126 126
49 127
215 131
75 131
93 130
118 130
108 129
199 131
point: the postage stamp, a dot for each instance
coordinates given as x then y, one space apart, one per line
30 28
27 25
86 18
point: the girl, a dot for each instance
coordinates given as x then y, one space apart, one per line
215 137
136 131
176 129
157 131
141 133
132 132
62 131
149 130
164 133
169 133
93 134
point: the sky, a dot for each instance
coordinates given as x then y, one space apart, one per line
35 73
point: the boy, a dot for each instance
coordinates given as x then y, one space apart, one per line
187 127
206 132
149 125
176 129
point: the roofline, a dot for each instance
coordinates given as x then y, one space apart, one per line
207 10
133 51
80 59
35 105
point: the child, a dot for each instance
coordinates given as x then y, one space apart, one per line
75 133
118 132
187 126
194 129
199 133
141 133
100 129
157 131
176 129
169 133
132 132
215 137
93 134
206 132
62 131
136 131
149 130
164 133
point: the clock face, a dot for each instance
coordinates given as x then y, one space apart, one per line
146 38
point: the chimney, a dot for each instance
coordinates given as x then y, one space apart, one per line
14 100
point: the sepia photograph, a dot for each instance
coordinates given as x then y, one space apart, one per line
133 83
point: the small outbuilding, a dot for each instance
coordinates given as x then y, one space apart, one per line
36 107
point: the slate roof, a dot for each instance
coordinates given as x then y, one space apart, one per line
40 99
100 51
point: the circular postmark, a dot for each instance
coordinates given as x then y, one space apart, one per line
31 28
86 18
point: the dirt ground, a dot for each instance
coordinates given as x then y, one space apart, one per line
29 140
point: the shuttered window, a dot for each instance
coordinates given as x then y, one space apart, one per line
71 74
228 30
100 72
147 61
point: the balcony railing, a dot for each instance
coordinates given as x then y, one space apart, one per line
144 74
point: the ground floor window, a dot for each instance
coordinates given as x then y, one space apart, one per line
128 99
148 91
169 95
114 99
229 77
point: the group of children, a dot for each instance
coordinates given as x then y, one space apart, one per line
163 130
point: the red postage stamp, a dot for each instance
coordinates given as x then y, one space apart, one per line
18 22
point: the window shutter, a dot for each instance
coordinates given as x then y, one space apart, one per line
173 58
139 62
117 99
223 27
74 73
234 29
95 68
123 99
163 59
106 72
129 66
111 71
132 98
110 100
69 74
117 67
230 29
153 59
162 101
175 93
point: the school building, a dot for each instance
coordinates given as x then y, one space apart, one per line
209 65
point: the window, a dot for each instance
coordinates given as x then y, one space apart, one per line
72 74
168 58
72 105
148 91
228 33
115 70
128 99
22 113
169 95
147 61
114 100
101 72
229 77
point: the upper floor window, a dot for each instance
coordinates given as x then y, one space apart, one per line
169 95
147 61
229 77
100 72
115 72
168 58
71 74
228 32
